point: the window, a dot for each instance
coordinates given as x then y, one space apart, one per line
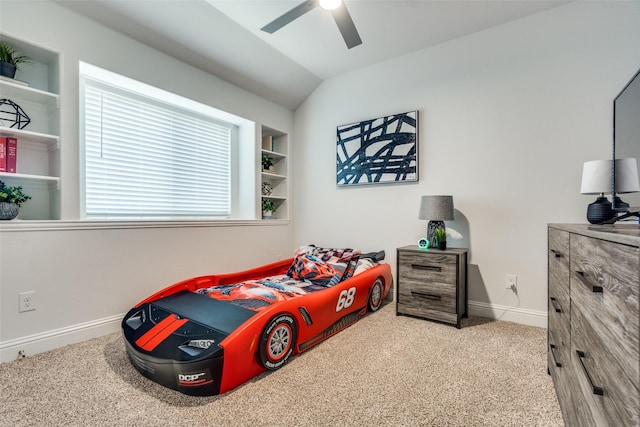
149 154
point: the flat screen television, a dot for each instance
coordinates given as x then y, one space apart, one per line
626 139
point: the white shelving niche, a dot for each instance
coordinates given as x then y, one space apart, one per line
275 144
36 90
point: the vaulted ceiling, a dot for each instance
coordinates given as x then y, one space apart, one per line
223 37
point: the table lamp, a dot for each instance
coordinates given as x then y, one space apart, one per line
436 209
596 179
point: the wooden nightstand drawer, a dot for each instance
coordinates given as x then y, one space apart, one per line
415 268
417 298
432 284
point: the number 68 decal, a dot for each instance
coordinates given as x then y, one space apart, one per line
346 298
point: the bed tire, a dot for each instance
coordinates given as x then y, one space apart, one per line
278 341
375 295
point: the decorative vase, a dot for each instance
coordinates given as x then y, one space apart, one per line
267 189
8 210
7 69
267 214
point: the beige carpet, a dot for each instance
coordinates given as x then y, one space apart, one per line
384 370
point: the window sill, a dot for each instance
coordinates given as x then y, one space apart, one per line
28 225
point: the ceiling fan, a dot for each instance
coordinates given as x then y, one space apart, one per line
338 10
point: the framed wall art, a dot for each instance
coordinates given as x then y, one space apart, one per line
378 151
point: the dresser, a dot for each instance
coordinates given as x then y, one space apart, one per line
594 324
432 284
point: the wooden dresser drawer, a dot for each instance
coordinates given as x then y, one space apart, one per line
559 337
558 260
559 351
593 312
605 285
604 388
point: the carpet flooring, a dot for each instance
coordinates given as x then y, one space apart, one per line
385 370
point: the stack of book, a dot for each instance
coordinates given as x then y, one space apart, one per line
8 154
268 143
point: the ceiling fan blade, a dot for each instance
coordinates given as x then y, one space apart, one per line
291 15
346 26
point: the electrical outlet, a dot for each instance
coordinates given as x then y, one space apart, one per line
511 282
27 301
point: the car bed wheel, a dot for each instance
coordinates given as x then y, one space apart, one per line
375 295
278 341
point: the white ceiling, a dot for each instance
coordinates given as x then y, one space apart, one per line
223 37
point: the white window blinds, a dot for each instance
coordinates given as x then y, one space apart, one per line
148 159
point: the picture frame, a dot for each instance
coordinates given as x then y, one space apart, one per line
383 150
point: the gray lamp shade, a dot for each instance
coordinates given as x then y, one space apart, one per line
439 208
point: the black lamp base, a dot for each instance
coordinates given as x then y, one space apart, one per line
620 206
431 232
600 211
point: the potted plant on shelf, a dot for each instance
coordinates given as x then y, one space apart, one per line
10 60
441 237
268 207
267 163
10 200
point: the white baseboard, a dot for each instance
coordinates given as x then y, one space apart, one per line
50 340
510 314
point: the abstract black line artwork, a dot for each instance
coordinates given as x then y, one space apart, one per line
13 114
378 151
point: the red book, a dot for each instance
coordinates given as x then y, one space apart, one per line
3 154
12 154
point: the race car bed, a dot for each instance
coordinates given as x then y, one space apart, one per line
207 335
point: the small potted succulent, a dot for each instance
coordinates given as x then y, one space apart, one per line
268 207
441 237
10 200
10 60
267 163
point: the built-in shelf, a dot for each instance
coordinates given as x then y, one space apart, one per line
52 141
29 94
36 92
24 176
275 144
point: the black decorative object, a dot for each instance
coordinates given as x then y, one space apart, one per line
599 211
378 151
12 113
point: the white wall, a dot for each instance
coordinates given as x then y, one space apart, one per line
86 278
507 118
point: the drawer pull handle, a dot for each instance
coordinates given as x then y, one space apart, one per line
553 355
426 267
557 254
555 307
426 296
596 390
583 278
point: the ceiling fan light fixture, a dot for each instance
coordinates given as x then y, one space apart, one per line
330 4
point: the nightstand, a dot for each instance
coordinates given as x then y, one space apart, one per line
432 284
